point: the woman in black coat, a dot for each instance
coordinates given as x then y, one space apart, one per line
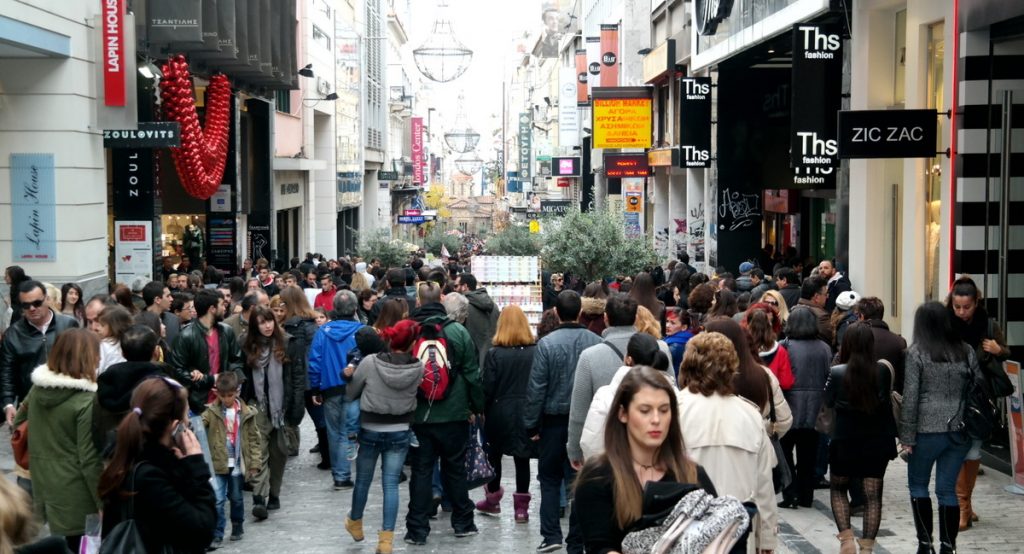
157 475
506 373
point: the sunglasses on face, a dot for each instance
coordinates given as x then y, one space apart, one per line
33 304
771 303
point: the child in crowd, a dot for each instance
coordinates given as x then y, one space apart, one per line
677 329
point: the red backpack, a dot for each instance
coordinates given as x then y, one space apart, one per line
431 348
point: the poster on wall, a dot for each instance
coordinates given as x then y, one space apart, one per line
633 206
133 250
559 21
1015 426
33 208
816 85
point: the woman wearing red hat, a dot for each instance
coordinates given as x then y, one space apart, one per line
385 385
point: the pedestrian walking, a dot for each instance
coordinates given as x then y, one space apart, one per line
939 368
385 385
158 475
763 323
71 302
506 376
593 303
111 326
862 442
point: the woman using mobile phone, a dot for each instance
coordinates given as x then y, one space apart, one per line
157 474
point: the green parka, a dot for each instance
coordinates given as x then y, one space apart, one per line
248 434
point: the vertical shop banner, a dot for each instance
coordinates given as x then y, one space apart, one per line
816 86
133 250
33 208
695 121
582 93
222 242
417 151
259 236
568 111
114 74
593 46
610 55
633 206
525 146
211 39
1015 426
178 22
134 172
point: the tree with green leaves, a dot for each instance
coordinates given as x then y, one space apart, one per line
377 244
593 245
514 240
436 237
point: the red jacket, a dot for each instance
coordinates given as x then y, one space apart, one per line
325 299
778 362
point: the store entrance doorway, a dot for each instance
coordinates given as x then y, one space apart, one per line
288 233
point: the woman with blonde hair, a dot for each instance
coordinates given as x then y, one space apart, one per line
774 298
359 282
506 374
65 463
18 525
724 432
645 322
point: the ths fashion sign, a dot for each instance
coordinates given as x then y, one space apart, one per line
816 83
695 121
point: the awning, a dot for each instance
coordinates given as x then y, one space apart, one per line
21 40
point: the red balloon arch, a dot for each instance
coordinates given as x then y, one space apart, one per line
203 153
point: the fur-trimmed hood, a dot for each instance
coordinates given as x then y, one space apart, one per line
593 306
52 388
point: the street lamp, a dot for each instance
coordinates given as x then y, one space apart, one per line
469 163
461 138
442 57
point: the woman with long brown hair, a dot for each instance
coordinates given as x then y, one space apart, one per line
646 295
643 443
111 324
65 463
275 380
739 455
392 311
123 296
506 373
158 472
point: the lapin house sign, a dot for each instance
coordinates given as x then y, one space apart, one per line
114 79
695 121
887 133
817 77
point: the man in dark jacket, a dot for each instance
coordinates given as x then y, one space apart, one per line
396 289
442 426
837 283
204 349
27 343
888 345
546 415
789 286
813 293
157 298
482 320
116 385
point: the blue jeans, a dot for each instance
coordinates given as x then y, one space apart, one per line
352 418
391 448
229 488
946 452
335 416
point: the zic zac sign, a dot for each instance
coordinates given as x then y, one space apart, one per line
203 153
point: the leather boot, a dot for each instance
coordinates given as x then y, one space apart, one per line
949 517
847 544
923 524
491 504
385 540
867 546
521 502
259 508
964 490
325 449
354 528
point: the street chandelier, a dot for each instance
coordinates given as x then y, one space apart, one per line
469 163
461 138
442 57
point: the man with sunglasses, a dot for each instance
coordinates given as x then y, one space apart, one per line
27 343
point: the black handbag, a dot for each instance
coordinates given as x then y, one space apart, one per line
992 368
125 538
980 414
782 476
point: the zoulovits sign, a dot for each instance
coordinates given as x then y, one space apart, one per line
159 134
888 133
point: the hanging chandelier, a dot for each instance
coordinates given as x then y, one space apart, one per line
461 138
469 163
442 57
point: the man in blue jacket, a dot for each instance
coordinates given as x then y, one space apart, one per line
332 350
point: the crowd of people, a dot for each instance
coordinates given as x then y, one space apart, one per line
651 400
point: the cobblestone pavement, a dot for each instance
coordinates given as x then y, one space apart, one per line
312 516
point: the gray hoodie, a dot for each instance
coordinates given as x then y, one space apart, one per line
386 387
482 320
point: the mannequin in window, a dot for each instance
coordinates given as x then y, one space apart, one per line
194 241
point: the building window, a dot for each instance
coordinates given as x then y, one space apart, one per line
936 53
283 101
321 37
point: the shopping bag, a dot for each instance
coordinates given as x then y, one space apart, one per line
478 470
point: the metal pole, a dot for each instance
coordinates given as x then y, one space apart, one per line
1004 205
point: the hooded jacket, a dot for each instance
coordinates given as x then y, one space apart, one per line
114 388
330 353
386 385
465 394
23 349
482 321
65 464
249 437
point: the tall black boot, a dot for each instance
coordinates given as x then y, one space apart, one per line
325 449
922 509
949 528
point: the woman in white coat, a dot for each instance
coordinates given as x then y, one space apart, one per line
725 433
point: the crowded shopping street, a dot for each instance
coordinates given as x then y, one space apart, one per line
462 276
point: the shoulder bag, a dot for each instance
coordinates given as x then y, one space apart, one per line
125 538
992 368
478 470
895 398
980 414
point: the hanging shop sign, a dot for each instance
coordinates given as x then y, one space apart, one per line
568 115
622 117
33 208
387 175
133 250
817 78
220 202
887 133
610 55
114 74
525 145
626 165
582 93
259 236
555 207
565 166
709 13
411 219
563 182
133 175
150 134
663 157
695 121
417 151
593 46
178 22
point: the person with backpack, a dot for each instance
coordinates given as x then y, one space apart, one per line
449 395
